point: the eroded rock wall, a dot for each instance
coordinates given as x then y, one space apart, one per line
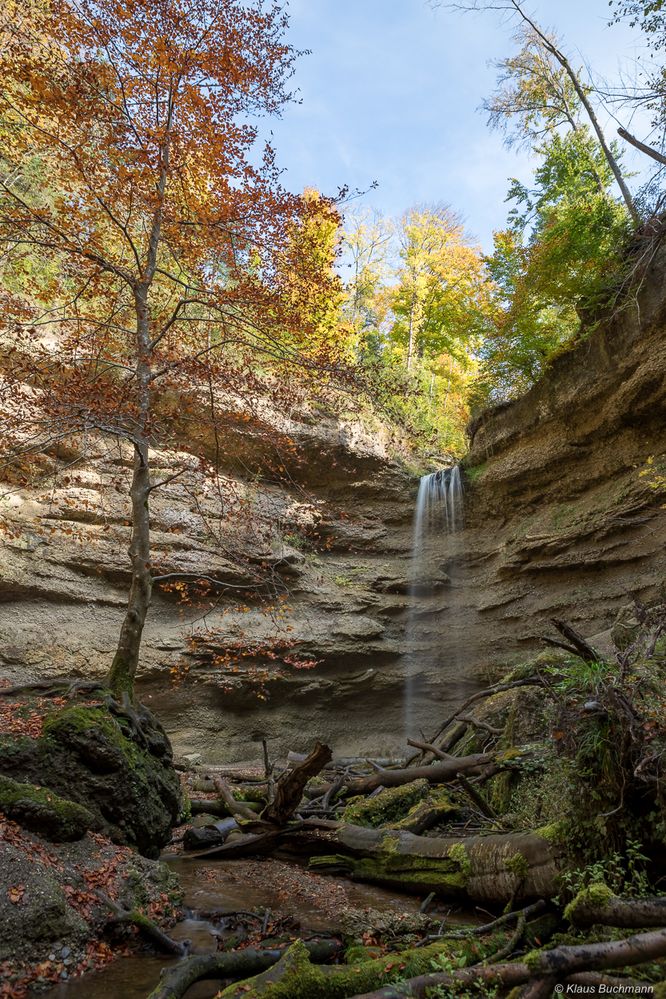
559 522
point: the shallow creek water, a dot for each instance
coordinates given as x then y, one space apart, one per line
315 900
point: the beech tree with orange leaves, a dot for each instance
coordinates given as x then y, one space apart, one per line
170 234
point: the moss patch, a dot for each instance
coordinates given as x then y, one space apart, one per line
42 811
387 807
114 762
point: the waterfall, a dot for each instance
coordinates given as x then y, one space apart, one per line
439 512
439 508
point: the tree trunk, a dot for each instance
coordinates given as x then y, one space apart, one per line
126 659
583 98
291 784
598 905
497 868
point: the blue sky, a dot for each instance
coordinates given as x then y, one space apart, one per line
391 92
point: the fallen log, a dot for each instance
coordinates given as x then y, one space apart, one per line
495 869
296 976
598 904
238 809
497 688
290 785
251 845
437 773
175 981
556 965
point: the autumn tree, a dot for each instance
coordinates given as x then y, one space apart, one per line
171 236
439 287
415 297
368 247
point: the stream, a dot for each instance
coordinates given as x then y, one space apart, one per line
316 901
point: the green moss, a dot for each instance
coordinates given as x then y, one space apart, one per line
358 952
555 832
446 875
518 865
43 811
436 807
458 853
474 472
73 725
596 895
296 978
387 807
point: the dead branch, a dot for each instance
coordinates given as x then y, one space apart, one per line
577 645
629 913
146 927
557 964
291 784
236 808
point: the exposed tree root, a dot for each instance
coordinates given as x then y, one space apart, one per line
146 927
175 981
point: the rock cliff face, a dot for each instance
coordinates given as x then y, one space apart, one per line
559 522
331 546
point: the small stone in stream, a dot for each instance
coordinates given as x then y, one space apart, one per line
200 839
65 952
51 957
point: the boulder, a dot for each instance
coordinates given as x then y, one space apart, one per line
44 812
117 764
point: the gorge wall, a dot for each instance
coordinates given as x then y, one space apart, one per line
559 522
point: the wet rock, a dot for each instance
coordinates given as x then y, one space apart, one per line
48 911
201 839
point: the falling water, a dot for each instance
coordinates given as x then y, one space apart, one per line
439 508
439 512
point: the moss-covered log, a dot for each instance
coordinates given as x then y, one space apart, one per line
296 977
496 868
556 965
598 904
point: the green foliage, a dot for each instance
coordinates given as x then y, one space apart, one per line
447 964
552 264
617 874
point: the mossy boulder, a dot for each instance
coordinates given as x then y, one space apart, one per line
42 811
115 762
